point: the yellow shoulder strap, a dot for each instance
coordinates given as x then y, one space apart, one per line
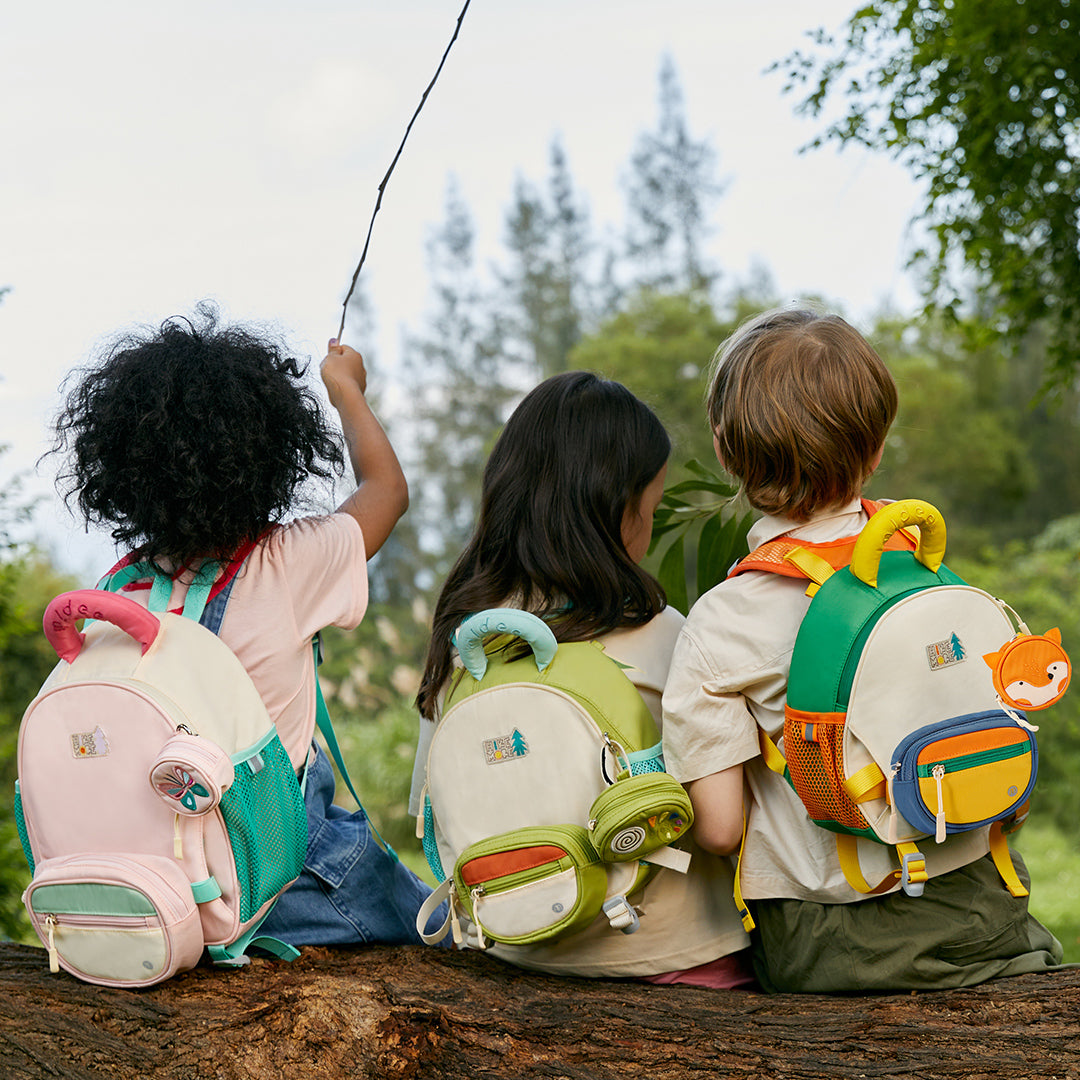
999 852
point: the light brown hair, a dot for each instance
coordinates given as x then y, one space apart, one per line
800 405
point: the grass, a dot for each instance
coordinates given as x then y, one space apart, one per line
1054 864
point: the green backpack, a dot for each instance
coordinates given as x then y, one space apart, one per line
545 800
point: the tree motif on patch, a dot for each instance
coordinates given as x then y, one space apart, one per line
89 744
505 748
943 653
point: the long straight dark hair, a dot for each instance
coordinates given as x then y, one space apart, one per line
574 455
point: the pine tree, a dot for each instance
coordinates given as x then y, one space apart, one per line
670 188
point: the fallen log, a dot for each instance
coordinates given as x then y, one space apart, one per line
415 1012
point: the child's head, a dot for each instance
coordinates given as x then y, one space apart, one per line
189 440
566 509
799 405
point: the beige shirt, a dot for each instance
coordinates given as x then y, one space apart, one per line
686 919
308 574
729 678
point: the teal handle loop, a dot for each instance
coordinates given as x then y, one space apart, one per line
469 637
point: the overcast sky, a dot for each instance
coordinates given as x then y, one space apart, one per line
152 155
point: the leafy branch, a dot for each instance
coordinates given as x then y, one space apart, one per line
703 532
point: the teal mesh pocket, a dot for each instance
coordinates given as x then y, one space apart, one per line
431 850
20 824
267 825
650 760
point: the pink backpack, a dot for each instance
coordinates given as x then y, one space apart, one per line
156 805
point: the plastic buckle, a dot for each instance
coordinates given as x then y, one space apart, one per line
621 915
913 873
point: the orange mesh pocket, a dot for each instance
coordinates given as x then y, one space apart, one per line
816 767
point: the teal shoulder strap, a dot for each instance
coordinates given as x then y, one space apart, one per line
326 726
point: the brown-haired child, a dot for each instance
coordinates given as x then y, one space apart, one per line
800 405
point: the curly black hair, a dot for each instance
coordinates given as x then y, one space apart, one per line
190 440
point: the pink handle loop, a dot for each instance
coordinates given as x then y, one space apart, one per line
63 612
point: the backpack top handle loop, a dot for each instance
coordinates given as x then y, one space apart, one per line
888 520
469 637
63 612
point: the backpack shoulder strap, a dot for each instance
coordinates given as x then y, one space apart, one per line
811 561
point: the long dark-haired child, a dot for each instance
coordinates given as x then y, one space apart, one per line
195 442
566 515
800 405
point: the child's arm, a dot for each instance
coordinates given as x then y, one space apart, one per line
382 494
718 810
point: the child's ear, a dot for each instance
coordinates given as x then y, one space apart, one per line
716 450
876 461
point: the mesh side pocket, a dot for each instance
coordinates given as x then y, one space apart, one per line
817 774
20 824
267 825
647 761
431 849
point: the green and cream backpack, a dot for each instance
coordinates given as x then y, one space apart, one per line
545 802
905 720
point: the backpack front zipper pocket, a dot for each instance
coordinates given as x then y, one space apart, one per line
115 920
960 774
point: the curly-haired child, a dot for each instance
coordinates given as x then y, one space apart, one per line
193 443
800 404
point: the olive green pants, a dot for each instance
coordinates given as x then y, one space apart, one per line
964 929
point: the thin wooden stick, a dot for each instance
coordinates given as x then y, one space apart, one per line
382 186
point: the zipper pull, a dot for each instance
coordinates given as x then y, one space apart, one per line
177 843
54 956
893 815
421 813
938 773
476 894
455 921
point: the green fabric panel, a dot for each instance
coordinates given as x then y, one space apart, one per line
838 622
583 671
89 899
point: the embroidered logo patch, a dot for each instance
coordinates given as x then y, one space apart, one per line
943 653
505 748
88 744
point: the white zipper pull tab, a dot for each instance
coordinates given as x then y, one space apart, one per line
938 773
893 815
177 843
54 956
455 921
476 894
421 813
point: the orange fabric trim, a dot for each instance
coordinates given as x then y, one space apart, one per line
485 867
799 716
837 553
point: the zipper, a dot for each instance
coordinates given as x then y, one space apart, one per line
938 772
54 956
894 814
974 760
475 895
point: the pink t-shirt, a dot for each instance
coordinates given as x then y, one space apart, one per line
306 575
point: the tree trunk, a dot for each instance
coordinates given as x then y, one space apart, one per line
415 1012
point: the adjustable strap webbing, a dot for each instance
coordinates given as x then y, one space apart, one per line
999 852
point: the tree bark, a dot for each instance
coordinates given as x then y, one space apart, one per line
415 1012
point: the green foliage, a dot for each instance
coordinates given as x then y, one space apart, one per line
982 102
971 435
660 347
27 584
701 535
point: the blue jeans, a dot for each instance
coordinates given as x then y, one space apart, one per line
351 891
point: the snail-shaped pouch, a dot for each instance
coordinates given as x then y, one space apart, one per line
639 814
191 773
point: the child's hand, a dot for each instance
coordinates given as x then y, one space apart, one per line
341 367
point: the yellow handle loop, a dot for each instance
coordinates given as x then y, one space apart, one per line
889 519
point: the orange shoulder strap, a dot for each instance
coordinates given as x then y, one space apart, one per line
772 556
